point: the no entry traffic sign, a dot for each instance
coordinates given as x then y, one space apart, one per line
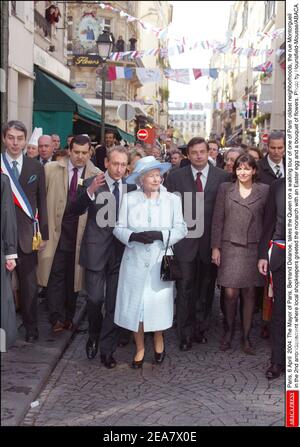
142 134
265 138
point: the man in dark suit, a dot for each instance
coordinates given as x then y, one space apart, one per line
46 149
31 177
272 166
215 157
58 267
195 291
101 252
110 141
274 229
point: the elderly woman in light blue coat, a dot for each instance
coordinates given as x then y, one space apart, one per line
148 217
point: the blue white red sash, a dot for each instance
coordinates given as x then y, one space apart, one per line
279 244
19 195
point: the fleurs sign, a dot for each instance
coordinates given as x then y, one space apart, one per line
87 61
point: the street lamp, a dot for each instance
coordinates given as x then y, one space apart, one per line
104 44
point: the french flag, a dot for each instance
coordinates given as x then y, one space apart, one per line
119 73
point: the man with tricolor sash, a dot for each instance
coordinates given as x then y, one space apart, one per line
271 252
27 180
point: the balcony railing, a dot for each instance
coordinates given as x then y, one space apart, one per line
41 22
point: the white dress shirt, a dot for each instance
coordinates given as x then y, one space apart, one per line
273 166
110 181
204 175
19 160
213 161
19 167
71 172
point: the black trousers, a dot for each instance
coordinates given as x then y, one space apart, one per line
101 287
26 272
278 317
195 293
61 297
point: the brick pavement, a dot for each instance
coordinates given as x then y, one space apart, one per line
202 387
26 367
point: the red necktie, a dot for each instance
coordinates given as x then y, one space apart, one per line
73 185
198 182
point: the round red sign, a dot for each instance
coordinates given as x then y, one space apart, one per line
142 134
265 138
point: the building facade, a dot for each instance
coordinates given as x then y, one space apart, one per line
155 95
260 94
36 40
20 74
85 22
187 123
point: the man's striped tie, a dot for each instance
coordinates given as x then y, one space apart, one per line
278 172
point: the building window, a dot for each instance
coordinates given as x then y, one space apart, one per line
41 22
105 24
269 10
13 8
17 9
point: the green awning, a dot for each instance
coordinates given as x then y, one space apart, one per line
54 99
52 95
60 123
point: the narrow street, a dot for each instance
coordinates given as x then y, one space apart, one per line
202 387
192 108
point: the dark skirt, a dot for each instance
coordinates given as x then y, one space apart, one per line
238 267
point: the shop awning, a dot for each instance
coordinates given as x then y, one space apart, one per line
55 105
52 95
123 135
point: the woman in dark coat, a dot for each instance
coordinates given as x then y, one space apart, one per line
8 263
236 230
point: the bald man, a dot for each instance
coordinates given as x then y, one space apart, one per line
46 149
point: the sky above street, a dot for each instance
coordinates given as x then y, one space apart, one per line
196 20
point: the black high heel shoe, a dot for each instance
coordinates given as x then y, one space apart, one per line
159 357
137 364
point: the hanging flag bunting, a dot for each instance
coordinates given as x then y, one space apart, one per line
114 72
197 73
178 49
273 34
266 67
146 75
179 75
159 32
239 105
213 73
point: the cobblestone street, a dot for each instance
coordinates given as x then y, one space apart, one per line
202 387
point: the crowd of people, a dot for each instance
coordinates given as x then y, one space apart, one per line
101 220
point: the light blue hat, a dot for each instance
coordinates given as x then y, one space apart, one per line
144 165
